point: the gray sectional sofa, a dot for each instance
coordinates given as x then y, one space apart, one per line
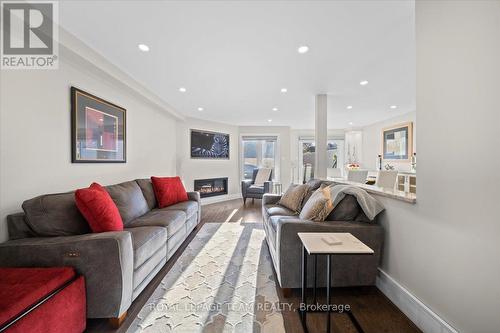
117 265
281 226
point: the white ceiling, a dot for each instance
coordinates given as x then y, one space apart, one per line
233 57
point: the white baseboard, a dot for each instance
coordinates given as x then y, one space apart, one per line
219 198
425 319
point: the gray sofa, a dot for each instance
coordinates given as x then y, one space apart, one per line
250 190
117 265
281 226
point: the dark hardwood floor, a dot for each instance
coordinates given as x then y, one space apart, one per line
372 309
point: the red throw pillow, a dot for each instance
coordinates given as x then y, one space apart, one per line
98 208
168 191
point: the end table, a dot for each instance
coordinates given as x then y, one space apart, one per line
314 244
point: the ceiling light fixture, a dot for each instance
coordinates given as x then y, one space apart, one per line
393 106
269 120
349 107
351 123
303 49
284 90
275 109
143 47
182 89
200 109
363 83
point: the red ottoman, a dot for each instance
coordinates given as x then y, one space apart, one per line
42 300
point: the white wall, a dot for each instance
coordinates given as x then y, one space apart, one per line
283 134
190 169
445 249
372 141
35 131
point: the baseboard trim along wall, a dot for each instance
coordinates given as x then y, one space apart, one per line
425 319
221 198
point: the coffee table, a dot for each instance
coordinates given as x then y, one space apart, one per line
313 244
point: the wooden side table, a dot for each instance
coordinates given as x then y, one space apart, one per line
313 244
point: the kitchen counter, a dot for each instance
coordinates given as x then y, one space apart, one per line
390 193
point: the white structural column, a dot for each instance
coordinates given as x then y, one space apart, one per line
320 136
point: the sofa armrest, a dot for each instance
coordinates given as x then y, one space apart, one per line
270 199
105 259
195 196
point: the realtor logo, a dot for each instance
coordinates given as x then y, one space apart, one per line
29 35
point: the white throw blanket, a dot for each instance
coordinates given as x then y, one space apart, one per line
370 206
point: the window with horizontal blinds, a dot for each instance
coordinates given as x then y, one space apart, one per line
259 138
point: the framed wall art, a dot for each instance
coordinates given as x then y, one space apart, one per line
98 129
209 145
397 142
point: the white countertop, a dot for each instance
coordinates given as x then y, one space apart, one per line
390 193
314 243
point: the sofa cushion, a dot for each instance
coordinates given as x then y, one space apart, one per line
273 220
148 192
293 197
256 189
55 215
346 210
98 208
189 207
145 242
173 220
129 199
169 191
279 210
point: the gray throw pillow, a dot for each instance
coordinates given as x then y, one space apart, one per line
319 205
346 210
293 197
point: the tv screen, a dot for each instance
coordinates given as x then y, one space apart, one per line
210 145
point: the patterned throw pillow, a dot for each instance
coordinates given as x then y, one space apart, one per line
319 205
292 199
311 189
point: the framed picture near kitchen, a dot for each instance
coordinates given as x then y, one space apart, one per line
397 142
98 129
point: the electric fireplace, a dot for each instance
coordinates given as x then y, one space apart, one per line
211 187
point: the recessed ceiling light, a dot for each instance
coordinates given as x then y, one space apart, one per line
393 106
143 47
284 90
182 89
275 109
349 107
200 109
269 120
351 123
363 83
303 49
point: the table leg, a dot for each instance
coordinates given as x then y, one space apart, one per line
304 287
328 287
315 278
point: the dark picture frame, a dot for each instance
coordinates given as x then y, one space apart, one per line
397 142
98 129
209 145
